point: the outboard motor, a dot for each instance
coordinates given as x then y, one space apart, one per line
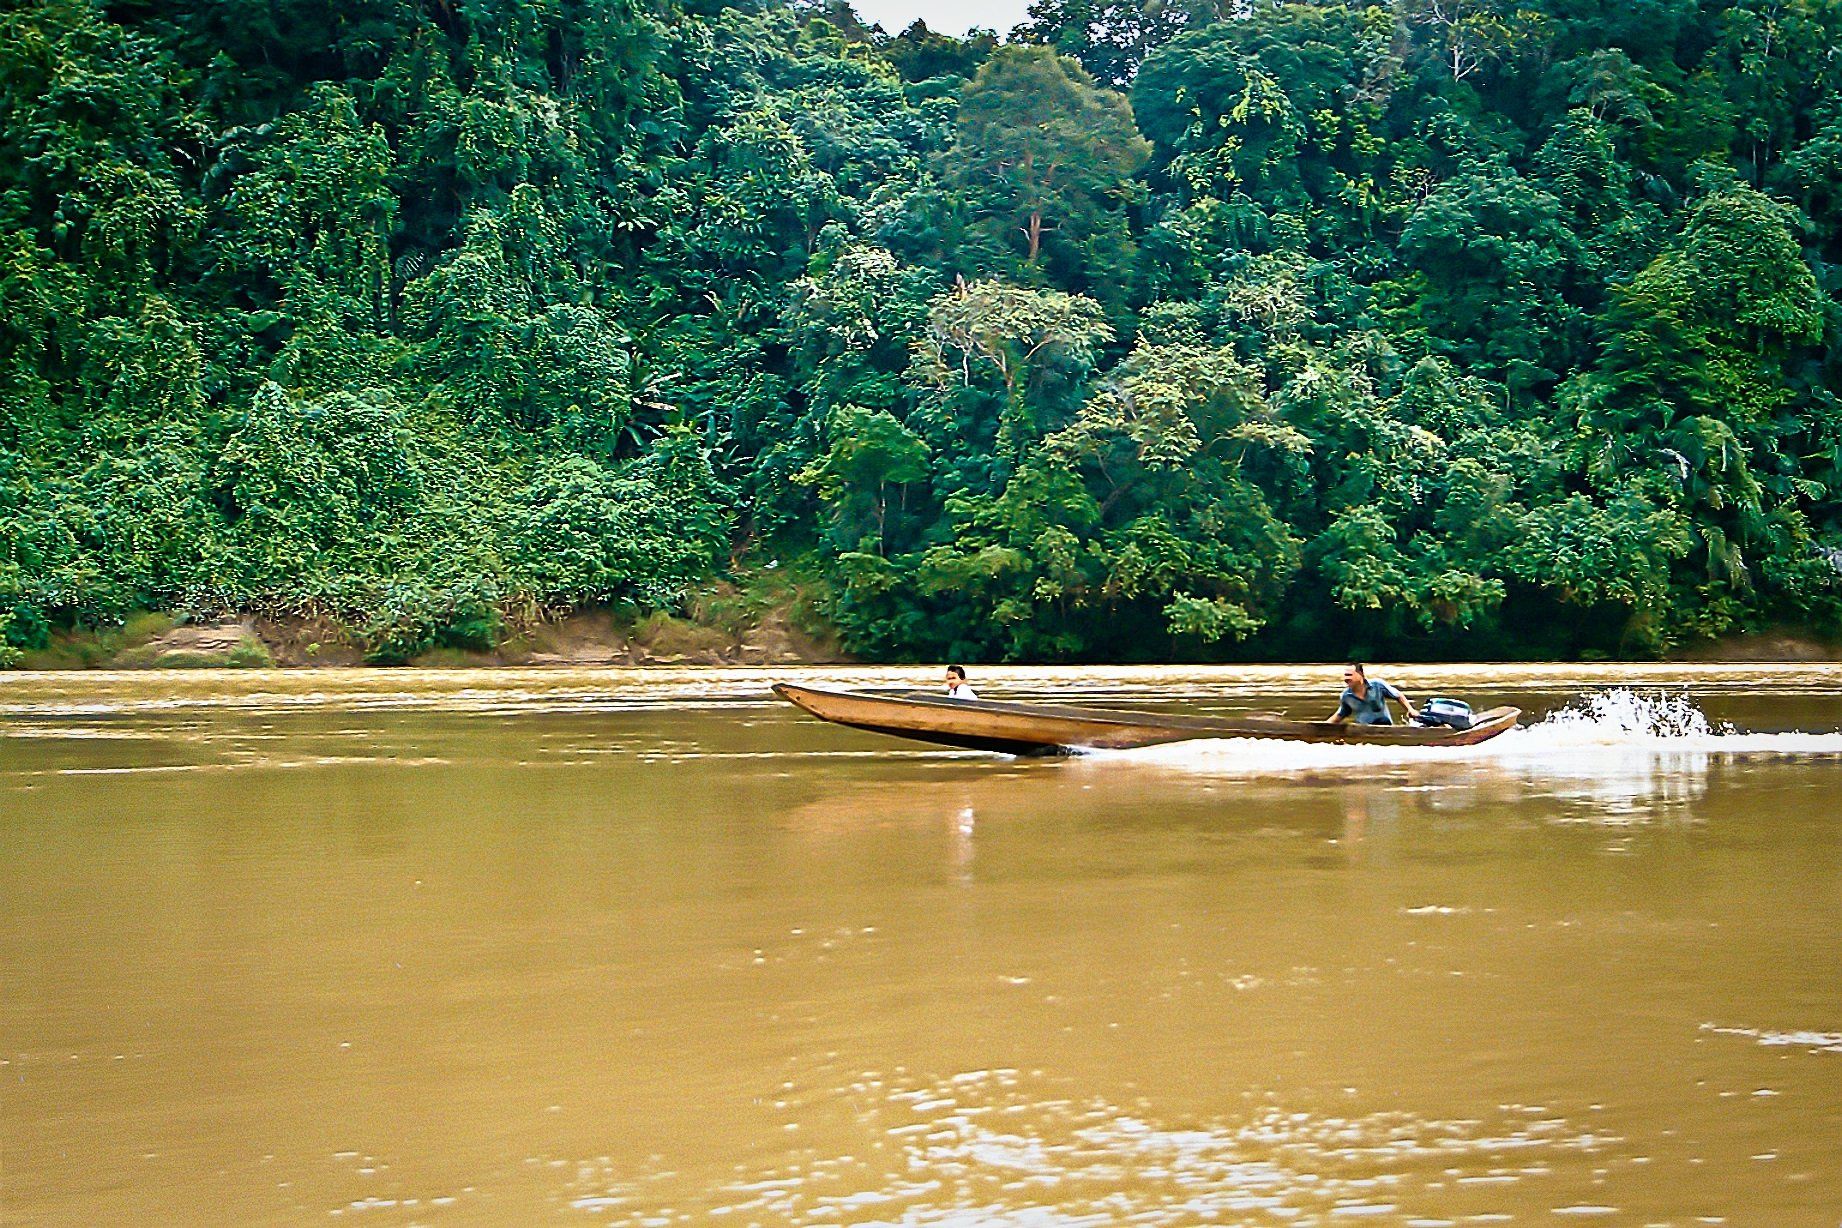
1452 713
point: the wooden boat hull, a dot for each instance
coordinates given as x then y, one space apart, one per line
1039 729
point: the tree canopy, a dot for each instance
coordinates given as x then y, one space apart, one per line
1426 327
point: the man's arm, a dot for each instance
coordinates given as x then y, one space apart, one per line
1413 713
1341 714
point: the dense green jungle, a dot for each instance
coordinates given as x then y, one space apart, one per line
1144 331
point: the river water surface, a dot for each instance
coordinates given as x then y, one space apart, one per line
648 947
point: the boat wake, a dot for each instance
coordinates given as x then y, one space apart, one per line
1601 732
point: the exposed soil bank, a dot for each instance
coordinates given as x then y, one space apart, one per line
1777 644
719 629
595 637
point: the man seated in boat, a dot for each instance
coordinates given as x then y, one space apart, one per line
1365 699
956 683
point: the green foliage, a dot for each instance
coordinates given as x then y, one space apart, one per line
1111 38
868 451
1437 326
919 54
11 654
1042 156
1495 256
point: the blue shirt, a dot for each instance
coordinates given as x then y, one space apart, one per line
1370 708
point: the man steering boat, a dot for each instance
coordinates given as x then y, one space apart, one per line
1365 700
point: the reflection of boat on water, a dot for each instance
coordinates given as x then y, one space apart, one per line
1036 729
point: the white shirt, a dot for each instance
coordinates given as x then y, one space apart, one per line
962 691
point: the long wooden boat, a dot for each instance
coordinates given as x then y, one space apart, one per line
1037 729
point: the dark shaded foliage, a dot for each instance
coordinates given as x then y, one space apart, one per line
1420 328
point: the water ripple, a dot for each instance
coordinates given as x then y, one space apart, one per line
1816 1042
981 1147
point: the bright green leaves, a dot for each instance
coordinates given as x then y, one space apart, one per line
867 452
583 534
143 376
1495 256
758 202
1167 403
1021 336
1030 347
1693 392
1618 553
1208 619
1446 326
134 220
1736 276
1610 88
312 501
1708 330
580 384
314 208
500 327
307 216
94 209
1286 132
1775 60
852 320
1445 402
299 485
575 530
1467 37
1814 173
1131 525
1043 156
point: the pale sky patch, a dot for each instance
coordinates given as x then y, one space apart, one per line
945 16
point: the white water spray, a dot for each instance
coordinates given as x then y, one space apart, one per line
1602 733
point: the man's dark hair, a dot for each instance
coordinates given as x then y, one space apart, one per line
958 671
1357 666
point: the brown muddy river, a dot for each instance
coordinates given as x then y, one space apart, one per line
649 948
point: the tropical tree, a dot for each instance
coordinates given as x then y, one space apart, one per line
1043 153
